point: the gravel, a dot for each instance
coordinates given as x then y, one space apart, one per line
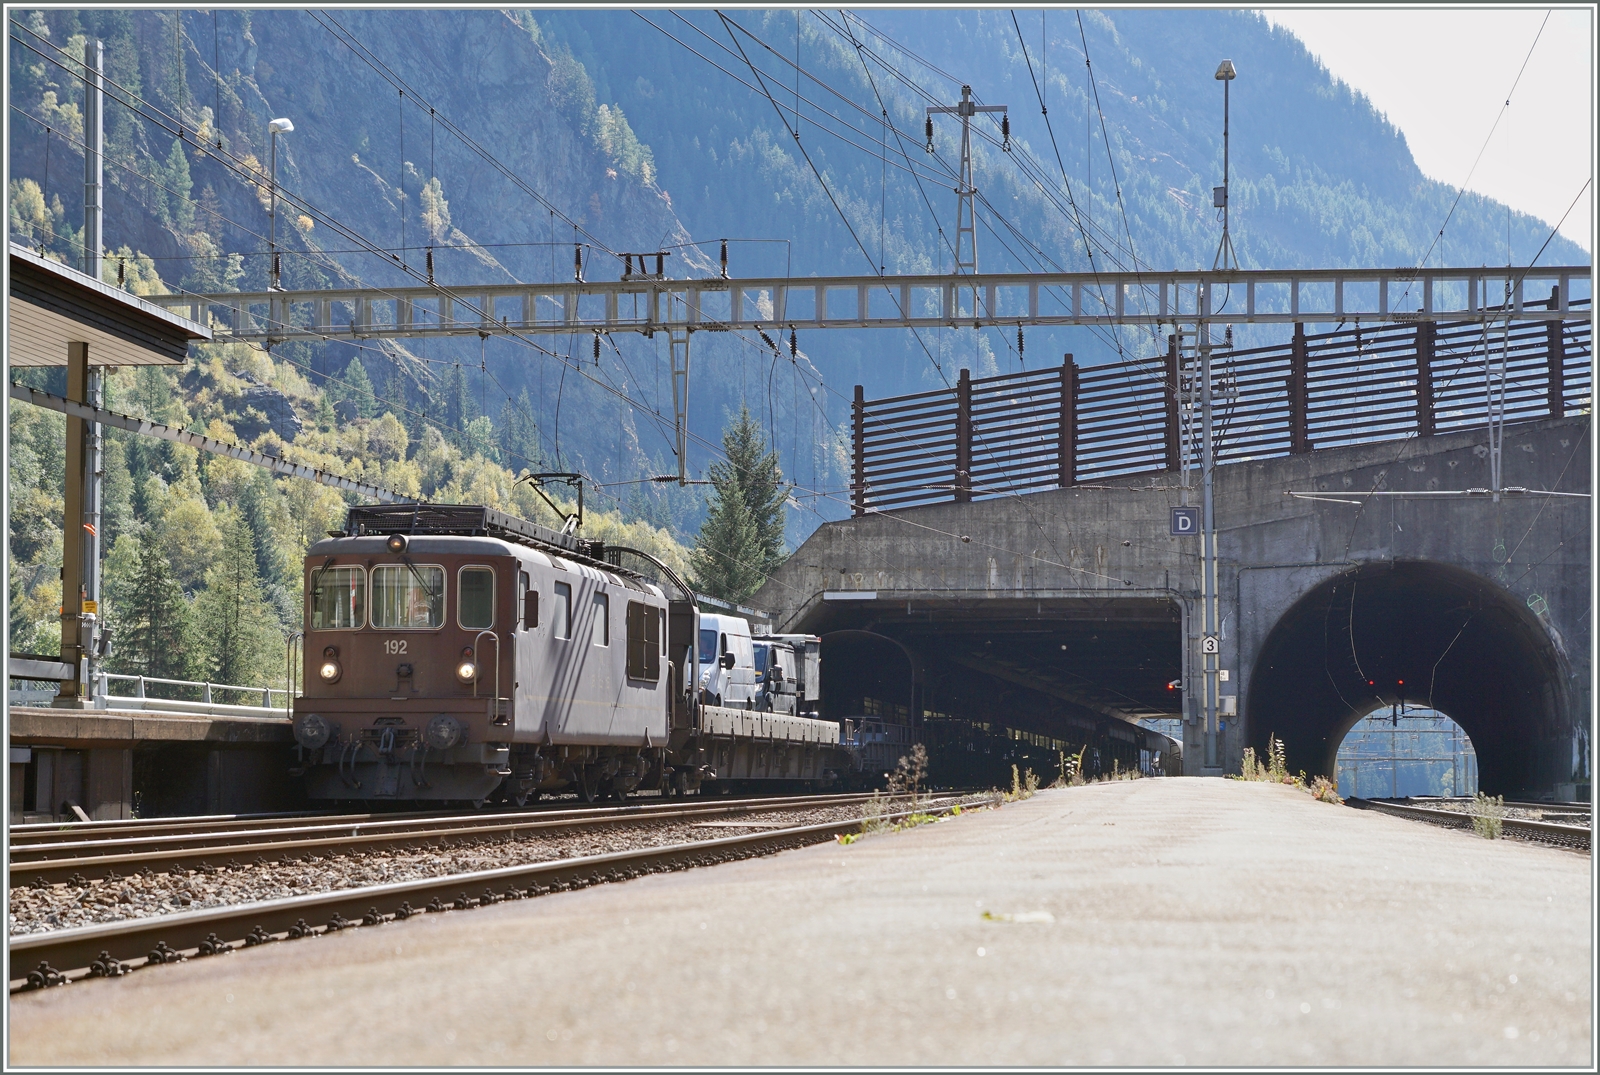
1559 815
65 906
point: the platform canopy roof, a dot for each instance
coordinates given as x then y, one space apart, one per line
53 304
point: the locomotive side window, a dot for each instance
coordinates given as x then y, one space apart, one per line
661 629
475 598
561 618
407 596
338 598
530 601
644 638
602 620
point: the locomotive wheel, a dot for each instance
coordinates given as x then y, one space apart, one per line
587 787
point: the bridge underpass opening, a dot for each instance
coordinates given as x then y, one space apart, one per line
1002 681
1397 752
1422 634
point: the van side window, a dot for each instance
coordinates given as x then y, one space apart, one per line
644 642
602 620
561 617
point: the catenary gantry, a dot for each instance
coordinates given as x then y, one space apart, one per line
648 303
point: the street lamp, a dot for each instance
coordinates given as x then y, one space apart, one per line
1219 195
275 128
1210 618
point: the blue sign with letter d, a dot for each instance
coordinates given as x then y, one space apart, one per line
1185 521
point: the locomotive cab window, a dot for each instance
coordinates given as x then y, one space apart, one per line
338 598
602 620
561 616
644 642
475 598
408 596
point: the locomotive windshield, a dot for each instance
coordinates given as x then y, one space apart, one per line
708 645
338 598
406 596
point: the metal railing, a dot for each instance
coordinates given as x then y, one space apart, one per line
103 688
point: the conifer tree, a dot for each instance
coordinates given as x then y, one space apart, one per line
519 434
741 541
239 629
178 210
357 388
155 637
394 395
459 406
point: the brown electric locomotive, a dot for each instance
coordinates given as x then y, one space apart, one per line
453 652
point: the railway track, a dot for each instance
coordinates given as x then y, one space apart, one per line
203 844
1572 837
116 948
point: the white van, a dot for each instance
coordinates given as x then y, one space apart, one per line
727 667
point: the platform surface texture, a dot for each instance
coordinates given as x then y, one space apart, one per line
1152 922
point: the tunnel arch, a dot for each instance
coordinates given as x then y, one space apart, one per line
1419 631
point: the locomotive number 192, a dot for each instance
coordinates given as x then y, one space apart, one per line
394 645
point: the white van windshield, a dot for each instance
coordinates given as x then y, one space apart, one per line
708 645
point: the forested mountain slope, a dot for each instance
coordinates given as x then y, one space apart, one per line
624 131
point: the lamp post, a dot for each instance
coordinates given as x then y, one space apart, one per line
275 128
1210 613
1219 196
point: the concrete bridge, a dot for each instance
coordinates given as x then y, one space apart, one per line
1041 605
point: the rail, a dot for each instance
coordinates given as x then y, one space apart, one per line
113 949
94 856
1575 837
1065 426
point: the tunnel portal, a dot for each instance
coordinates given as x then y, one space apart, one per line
995 682
1416 632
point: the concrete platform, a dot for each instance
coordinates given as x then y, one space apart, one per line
1190 922
110 762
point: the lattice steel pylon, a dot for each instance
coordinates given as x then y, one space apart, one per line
966 249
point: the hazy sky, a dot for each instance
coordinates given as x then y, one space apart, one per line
1442 76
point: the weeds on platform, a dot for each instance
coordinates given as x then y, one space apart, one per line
1488 815
1070 771
1023 786
903 791
1275 770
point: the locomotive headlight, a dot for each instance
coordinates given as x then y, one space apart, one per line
396 543
467 667
330 670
